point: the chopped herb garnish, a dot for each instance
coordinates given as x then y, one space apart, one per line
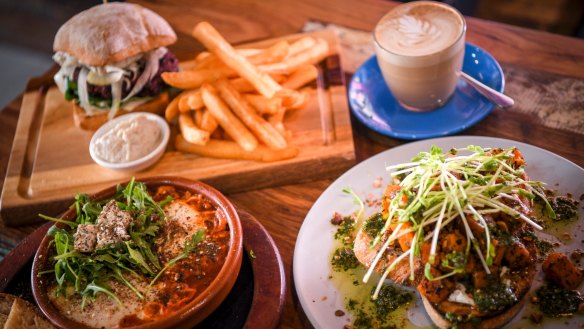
556 301
566 209
374 224
344 259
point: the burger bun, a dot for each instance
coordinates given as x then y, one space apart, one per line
111 32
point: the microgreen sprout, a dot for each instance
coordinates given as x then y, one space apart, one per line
442 187
357 201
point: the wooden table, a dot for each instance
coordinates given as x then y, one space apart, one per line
544 64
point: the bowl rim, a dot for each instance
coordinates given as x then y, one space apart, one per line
218 288
156 152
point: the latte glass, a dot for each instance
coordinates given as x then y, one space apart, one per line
420 49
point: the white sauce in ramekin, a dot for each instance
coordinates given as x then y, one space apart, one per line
129 140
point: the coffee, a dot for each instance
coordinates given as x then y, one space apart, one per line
420 48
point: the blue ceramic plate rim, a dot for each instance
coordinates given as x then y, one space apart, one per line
478 103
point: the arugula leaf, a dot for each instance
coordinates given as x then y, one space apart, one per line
59 220
137 258
93 288
117 273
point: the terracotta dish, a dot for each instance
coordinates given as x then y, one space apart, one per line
189 314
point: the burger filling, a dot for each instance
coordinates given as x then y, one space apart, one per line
127 84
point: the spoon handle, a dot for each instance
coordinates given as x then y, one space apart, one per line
494 96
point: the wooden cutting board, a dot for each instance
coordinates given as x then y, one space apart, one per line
50 159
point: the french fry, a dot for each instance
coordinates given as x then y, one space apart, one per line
195 78
190 100
231 150
292 99
312 55
226 119
216 44
171 110
198 118
187 65
244 86
277 119
208 122
190 132
204 57
264 105
301 45
275 53
272 54
303 75
265 132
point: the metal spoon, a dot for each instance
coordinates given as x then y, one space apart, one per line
494 96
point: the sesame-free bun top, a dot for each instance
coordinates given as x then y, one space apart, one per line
111 32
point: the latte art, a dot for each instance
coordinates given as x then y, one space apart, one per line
416 31
420 47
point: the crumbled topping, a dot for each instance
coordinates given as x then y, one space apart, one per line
112 225
85 238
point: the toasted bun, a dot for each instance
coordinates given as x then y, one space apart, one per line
494 322
92 122
111 32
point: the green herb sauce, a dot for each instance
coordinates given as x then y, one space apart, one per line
555 301
374 224
344 259
389 310
494 298
390 298
566 209
345 230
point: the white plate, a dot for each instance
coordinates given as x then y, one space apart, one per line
319 297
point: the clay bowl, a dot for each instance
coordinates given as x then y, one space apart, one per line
190 314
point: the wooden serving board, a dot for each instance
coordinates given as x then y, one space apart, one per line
50 159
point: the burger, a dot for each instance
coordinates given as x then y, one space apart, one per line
111 58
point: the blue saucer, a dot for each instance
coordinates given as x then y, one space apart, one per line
374 105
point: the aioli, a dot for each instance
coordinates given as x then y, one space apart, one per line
128 140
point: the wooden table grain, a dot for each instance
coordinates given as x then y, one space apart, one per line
539 58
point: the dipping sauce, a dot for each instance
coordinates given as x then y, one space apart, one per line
129 140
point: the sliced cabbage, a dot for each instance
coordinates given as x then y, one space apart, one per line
68 64
82 91
152 65
114 75
116 99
